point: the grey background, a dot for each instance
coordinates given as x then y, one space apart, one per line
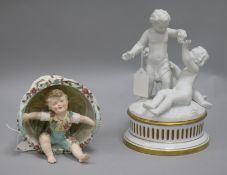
84 40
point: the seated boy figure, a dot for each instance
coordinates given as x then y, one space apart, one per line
183 91
60 120
156 39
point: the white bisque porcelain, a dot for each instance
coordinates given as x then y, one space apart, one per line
168 118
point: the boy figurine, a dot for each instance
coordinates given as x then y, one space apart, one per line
183 91
156 38
60 120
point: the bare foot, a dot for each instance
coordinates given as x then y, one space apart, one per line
205 97
153 111
51 159
146 106
141 99
206 104
84 158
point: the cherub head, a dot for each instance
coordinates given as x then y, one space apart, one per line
57 101
199 55
160 20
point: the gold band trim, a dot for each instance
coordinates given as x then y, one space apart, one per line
166 152
160 123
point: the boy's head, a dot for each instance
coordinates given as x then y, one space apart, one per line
199 55
160 20
57 101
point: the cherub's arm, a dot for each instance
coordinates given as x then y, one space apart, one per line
138 47
180 34
172 32
175 69
187 58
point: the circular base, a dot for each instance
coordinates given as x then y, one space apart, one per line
165 149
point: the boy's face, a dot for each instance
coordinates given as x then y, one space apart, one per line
200 61
160 26
58 104
199 56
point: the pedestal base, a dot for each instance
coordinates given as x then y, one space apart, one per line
165 149
177 132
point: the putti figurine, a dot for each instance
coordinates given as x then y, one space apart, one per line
168 119
156 38
58 115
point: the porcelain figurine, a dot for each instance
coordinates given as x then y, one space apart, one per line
156 38
170 120
60 120
58 115
182 93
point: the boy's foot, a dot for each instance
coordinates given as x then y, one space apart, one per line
206 104
51 160
84 158
146 106
141 99
154 112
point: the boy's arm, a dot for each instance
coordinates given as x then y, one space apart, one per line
175 69
32 116
172 32
187 58
77 118
138 47
180 34
87 120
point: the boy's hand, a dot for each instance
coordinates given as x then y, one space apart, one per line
145 52
186 44
181 36
26 117
127 56
93 124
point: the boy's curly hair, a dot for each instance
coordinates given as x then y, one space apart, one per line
55 93
200 55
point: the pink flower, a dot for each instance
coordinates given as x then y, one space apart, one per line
36 147
66 126
33 91
85 90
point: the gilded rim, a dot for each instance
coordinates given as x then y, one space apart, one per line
166 152
160 123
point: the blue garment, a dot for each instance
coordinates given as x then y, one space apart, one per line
58 129
58 138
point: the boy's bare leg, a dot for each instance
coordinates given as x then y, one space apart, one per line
78 153
45 143
160 97
164 106
155 101
150 72
166 80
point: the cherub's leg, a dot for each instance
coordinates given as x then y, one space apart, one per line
45 143
78 153
159 97
164 106
197 97
166 80
150 72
